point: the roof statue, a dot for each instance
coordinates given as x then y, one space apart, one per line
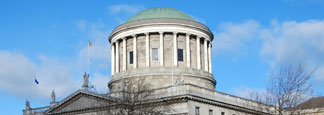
85 85
53 96
53 101
27 105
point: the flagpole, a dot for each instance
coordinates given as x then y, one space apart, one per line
88 56
35 90
35 86
34 96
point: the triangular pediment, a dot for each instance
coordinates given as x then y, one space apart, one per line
78 101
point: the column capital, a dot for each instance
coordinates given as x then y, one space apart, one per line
146 33
198 36
116 41
161 32
208 39
187 34
175 33
134 35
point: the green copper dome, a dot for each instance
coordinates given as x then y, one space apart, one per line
161 13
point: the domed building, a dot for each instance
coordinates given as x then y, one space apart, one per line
171 51
165 46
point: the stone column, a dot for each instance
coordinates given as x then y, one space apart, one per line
210 57
205 55
117 56
134 51
198 53
175 49
112 58
161 49
124 54
188 49
147 44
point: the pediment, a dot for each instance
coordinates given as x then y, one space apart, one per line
78 101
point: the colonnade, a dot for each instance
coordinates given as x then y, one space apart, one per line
115 49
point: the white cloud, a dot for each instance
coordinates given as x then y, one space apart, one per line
124 8
198 19
64 75
18 74
81 25
99 55
100 50
121 13
233 37
247 92
282 43
295 42
258 94
100 82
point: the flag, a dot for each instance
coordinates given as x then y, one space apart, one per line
90 43
36 81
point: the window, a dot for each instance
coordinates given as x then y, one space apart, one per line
155 54
211 112
180 54
131 58
223 113
197 111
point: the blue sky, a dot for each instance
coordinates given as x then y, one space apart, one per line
48 39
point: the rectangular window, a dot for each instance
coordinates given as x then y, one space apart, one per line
223 113
197 111
180 54
155 54
131 58
211 112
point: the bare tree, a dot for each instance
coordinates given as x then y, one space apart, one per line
287 88
136 97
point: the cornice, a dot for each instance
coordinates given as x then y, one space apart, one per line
159 22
